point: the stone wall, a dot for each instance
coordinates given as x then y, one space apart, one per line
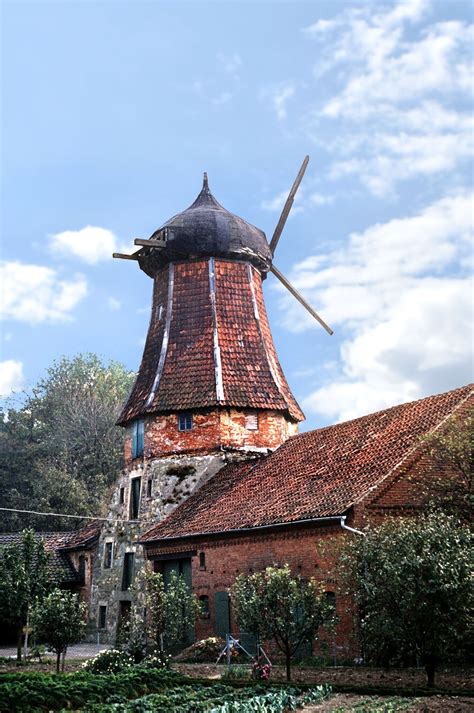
165 483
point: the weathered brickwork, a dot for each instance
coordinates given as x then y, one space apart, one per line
213 430
310 552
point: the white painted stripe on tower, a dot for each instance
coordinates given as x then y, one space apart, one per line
270 361
217 351
166 336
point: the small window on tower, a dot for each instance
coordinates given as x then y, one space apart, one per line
149 484
108 554
135 488
138 437
122 496
127 575
185 421
202 560
251 421
102 616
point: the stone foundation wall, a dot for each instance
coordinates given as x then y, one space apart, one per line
165 483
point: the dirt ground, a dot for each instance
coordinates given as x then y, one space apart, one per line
454 679
349 703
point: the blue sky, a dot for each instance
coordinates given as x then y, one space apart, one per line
112 111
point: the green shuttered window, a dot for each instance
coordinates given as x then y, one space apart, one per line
138 438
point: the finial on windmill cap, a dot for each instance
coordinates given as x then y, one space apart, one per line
205 184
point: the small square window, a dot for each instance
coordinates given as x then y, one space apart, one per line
108 554
251 421
185 421
202 560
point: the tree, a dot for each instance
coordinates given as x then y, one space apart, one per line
24 578
276 605
410 579
60 449
451 448
170 608
58 620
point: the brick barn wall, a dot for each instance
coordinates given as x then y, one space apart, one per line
311 552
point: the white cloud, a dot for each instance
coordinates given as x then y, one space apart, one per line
397 81
229 63
11 376
90 244
278 96
34 294
400 294
320 199
275 204
113 304
222 98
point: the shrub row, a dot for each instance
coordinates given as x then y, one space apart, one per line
39 691
217 699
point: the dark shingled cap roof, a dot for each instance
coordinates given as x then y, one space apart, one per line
206 229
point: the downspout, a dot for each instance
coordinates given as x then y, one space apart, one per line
350 529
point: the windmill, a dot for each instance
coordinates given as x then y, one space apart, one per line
160 240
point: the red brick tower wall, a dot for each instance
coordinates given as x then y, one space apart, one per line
209 350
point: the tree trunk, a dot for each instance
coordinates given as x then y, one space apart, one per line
288 665
18 643
58 661
63 660
430 672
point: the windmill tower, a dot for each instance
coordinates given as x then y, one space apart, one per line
210 377
210 388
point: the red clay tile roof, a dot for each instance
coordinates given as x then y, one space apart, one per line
209 344
315 474
60 566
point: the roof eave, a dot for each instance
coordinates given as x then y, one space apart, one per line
240 530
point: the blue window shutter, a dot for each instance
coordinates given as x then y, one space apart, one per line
140 436
134 439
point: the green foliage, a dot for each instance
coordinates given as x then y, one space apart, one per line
58 620
274 604
411 583
59 447
170 610
24 578
236 673
30 692
109 661
450 486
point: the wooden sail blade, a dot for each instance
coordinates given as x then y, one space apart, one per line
287 207
300 298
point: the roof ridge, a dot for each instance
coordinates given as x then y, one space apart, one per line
419 444
381 411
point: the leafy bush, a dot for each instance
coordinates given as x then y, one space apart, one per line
217 698
235 673
158 660
110 661
44 691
